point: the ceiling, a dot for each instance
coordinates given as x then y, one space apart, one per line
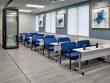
20 4
3 3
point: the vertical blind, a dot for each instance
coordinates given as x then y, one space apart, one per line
47 22
37 23
72 21
53 22
83 20
78 21
50 22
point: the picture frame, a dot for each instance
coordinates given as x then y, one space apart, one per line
100 18
60 21
41 21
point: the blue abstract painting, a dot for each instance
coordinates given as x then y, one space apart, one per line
41 23
60 20
100 18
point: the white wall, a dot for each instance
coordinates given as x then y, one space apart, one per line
27 23
0 26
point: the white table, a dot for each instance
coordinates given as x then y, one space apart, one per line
30 39
41 42
23 39
91 53
57 46
57 50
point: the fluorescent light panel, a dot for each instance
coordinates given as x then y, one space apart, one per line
13 13
35 6
25 10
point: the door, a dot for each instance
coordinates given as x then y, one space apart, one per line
11 28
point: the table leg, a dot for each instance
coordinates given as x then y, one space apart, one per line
79 61
79 65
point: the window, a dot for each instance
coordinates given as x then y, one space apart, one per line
83 20
51 22
72 21
78 21
37 23
47 22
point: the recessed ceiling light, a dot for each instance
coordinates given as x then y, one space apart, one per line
25 10
61 0
35 6
55 1
13 13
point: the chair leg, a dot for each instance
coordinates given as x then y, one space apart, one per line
48 54
24 43
43 51
86 62
70 63
60 59
35 48
31 47
27 44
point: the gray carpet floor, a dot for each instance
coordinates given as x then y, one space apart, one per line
27 66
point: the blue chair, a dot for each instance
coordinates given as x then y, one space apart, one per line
35 42
64 39
49 36
33 34
21 37
68 52
83 43
27 37
47 44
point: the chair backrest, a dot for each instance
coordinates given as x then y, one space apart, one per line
68 46
47 41
32 34
22 34
64 39
49 36
83 43
38 36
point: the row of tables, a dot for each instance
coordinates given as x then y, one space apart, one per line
84 55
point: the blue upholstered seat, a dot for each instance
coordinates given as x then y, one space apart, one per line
83 43
67 51
49 36
47 45
21 37
35 38
64 39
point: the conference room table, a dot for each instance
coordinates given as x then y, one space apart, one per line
91 53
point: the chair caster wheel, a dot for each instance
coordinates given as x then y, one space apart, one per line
82 73
75 70
103 61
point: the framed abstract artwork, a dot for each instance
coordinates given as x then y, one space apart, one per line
100 18
41 21
60 20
